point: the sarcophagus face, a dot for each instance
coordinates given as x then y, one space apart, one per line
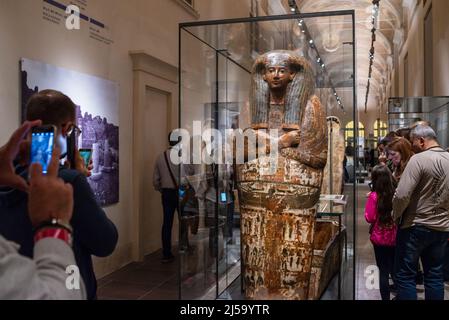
278 199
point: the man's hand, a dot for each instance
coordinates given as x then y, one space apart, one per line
289 140
80 165
9 152
49 196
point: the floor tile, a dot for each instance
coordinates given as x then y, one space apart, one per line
152 280
123 291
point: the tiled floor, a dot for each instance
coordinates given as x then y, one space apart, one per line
152 280
148 280
365 255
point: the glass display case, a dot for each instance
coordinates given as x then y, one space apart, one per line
216 61
403 112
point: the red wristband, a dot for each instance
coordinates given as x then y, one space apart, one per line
56 233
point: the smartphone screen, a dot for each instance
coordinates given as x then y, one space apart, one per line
42 142
86 154
223 197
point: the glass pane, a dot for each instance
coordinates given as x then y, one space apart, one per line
215 93
216 64
403 112
198 245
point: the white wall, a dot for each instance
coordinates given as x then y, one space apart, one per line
414 48
441 47
149 25
414 45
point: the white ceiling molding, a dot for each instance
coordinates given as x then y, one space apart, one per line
390 62
275 7
398 39
390 8
409 3
188 8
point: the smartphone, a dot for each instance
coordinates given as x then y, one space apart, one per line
182 192
71 146
42 144
86 154
223 197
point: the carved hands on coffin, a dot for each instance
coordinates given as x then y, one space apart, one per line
289 140
312 148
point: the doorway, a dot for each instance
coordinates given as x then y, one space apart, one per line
154 142
155 101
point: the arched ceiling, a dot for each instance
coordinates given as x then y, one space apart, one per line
390 20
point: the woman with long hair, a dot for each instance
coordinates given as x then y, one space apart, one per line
399 152
378 212
382 149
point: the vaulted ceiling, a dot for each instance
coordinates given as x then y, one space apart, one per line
388 26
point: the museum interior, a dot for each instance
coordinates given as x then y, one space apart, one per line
176 201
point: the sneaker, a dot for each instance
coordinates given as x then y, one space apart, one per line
168 259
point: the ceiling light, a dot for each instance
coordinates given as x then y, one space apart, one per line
375 15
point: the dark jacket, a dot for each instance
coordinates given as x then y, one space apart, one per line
94 233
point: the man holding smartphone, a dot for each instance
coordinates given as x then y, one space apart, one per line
42 143
49 198
94 233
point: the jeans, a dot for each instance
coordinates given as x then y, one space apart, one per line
170 205
446 264
385 263
429 245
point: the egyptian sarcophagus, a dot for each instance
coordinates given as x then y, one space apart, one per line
278 200
327 252
333 172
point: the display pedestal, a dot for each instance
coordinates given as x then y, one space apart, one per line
330 236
